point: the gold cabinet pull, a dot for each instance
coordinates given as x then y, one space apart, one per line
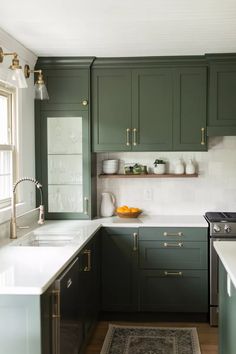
88 267
173 234
56 304
135 246
173 274
134 137
128 137
203 142
86 201
179 244
85 102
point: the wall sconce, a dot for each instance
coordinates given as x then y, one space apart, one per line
40 89
15 75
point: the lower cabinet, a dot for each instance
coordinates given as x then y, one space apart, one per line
173 269
155 269
227 318
119 258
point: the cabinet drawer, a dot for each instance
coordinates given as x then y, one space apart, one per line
174 290
174 254
173 233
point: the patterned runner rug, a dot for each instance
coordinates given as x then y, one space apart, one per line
150 340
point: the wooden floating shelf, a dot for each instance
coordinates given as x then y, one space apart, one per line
150 175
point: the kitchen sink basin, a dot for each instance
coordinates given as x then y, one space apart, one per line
44 240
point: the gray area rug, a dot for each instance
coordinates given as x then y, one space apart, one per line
150 340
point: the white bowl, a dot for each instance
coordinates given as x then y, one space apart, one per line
110 170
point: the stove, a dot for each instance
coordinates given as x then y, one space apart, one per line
222 227
221 224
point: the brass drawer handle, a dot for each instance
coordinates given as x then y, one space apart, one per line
180 244
135 247
173 274
128 137
134 137
88 267
173 234
203 142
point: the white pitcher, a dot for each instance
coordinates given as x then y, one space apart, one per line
107 204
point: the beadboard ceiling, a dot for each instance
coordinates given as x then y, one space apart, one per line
105 28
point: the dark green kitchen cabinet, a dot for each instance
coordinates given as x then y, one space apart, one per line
64 163
111 99
152 109
119 257
222 93
190 109
174 290
227 311
149 105
173 263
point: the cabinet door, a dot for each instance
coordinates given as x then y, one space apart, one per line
90 282
119 270
227 310
190 109
173 255
174 290
222 103
67 89
65 164
111 99
152 109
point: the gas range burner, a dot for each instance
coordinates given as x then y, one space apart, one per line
221 216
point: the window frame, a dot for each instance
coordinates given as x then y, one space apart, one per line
10 94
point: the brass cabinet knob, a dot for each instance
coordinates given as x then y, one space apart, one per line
85 102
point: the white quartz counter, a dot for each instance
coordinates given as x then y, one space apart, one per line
30 270
226 251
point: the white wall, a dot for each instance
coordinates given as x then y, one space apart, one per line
214 189
25 126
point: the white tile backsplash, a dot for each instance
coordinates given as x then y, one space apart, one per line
214 189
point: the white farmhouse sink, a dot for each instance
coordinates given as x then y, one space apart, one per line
33 239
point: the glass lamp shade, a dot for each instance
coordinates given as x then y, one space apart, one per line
16 78
40 92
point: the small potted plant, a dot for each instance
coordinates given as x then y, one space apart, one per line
159 167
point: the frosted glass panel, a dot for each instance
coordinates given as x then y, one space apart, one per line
65 169
65 198
65 135
65 164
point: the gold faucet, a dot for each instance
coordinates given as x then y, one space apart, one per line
13 225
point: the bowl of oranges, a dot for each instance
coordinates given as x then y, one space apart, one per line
128 212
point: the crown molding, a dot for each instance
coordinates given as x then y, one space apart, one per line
11 44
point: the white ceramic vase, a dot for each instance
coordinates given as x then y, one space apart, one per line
179 167
190 168
107 204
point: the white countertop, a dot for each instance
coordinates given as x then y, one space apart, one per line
226 250
30 270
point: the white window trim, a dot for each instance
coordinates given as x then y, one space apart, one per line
12 146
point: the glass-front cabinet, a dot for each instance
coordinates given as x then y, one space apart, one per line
64 162
65 169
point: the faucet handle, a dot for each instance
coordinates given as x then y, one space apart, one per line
41 215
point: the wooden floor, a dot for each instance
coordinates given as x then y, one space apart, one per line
208 336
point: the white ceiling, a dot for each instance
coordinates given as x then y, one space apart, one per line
121 27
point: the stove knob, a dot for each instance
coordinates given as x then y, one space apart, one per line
216 228
227 229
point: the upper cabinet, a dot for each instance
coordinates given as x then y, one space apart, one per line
64 160
145 105
222 93
152 109
190 109
111 101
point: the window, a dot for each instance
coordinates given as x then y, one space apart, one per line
7 149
